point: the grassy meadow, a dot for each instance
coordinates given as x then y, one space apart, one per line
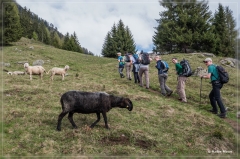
157 127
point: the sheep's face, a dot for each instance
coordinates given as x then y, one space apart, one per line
67 67
126 103
25 65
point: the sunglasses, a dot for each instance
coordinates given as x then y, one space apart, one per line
205 61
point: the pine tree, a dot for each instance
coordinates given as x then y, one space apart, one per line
184 26
77 43
11 23
130 44
220 29
47 37
109 49
119 39
56 42
66 41
232 34
225 31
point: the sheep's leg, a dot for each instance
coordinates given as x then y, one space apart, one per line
104 114
52 74
70 118
60 120
30 76
62 77
98 119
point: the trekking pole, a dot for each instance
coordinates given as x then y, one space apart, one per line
200 93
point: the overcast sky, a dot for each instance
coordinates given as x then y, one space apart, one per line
92 19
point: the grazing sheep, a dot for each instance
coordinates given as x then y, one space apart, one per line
34 70
58 71
16 73
90 102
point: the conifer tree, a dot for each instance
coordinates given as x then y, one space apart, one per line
47 36
130 44
119 39
66 41
56 42
76 43
109 47
185 25
225 31
11 23
220 29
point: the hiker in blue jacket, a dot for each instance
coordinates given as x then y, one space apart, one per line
121 64
162 76
215 95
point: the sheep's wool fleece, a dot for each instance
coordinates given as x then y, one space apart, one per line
86 102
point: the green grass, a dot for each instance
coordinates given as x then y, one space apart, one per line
157 126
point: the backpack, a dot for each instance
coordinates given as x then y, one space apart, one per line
145 59
121 61
187 72
222 74
135 56
165 66
127 58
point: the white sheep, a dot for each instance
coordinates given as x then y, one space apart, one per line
16 73
34 70
58 71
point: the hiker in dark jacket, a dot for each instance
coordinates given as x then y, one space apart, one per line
162 77
120 65
135 70
144 69
215 95
181 81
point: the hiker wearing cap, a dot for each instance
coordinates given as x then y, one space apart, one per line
162 76
215 95
128 64
121 65
181 81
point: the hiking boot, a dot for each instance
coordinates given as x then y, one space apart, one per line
170 93
213 111
222 115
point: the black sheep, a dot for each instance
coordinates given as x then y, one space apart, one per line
90 102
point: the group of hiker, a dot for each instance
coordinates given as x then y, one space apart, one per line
139 65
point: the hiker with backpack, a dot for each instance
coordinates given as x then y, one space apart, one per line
163 67
120 65
181 81
128 63
144 68
135 70
215 95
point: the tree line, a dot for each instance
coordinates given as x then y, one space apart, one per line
20 22
184 26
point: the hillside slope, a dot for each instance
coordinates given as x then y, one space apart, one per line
157 126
